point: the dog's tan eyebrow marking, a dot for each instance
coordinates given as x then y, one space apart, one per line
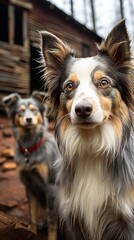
23 107
31 106
73 77
98 75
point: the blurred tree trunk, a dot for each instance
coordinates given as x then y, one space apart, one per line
131 7
85 11
121 9
93 14
72 8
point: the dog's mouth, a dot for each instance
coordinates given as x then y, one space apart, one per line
29 125
87 123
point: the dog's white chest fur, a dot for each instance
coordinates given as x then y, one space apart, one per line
91 186
88 192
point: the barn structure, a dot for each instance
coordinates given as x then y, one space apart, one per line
20 23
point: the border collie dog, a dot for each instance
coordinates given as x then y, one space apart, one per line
93 99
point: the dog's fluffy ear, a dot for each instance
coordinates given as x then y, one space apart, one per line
117 46
40 96
55 53
9 101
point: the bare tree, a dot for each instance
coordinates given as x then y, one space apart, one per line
72 8
85 11
131 7
121 9
93 14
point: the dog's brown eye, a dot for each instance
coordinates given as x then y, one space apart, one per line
33 109
104 83
21 111
69 87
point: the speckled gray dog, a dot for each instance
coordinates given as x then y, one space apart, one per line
35 153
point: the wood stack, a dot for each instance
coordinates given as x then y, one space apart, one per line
13 229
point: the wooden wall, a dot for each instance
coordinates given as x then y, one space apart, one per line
45 18
14 71
14 57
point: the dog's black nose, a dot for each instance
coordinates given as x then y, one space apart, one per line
83 110
29 120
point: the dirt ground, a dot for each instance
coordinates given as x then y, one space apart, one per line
13 200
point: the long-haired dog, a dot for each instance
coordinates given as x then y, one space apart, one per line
35 153
93 100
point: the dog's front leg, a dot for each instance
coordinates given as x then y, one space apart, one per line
52 212
33 208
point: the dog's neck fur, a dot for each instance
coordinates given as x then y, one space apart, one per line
28 136
88 156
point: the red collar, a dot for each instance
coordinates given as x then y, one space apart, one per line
32 148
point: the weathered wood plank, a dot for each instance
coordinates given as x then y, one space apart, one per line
17 229
23 4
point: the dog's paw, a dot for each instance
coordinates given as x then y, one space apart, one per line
33 227
52 232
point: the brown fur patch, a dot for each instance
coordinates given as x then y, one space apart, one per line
120 113
39 118
118 49
63 128
123 111
69 105
64 50
42 170
19 121
16 120
56 56
106 105
65 122
20 167
33 212
132 194
120 109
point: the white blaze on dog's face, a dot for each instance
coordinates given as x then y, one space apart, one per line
86 107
